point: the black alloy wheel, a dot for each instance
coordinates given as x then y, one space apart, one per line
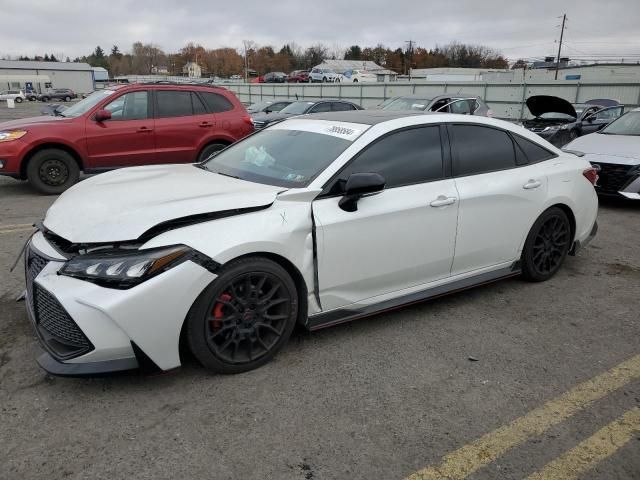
547 245
244 317
209 150
52 171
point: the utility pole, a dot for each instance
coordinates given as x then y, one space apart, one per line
410 51
564 19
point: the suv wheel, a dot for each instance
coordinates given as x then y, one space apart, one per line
67 98
52 171
244 317
18 99
324 79
210 150
45 99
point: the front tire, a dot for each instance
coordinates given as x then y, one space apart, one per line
52 171
546 246
67 99
244 317
18 100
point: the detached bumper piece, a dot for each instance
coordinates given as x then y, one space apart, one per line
55 367
578 245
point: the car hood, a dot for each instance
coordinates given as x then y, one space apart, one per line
33 121
123 204
540 104
622 149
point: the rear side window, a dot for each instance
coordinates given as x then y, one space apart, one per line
216 103
402 158
478 149
532 151
173 103
321 107
341 107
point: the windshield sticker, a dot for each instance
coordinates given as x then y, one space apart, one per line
345 130
340 130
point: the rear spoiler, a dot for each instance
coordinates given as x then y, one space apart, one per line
573 152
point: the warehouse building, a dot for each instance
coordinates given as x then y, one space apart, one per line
79 77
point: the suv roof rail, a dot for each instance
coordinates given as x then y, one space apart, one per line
170 82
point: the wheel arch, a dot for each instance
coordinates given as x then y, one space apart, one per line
570 215
223 141
43 146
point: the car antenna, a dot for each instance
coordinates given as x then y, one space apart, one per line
296 96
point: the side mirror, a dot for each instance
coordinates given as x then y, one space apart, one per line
360 185
267 110
102 115
591 118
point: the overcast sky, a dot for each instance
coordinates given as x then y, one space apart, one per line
516 28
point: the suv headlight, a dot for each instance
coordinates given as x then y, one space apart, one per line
123 269
10 135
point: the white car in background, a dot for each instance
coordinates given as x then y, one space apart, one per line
614 151
317 220
323 75
355 76
17 96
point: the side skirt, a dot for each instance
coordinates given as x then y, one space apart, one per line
342 315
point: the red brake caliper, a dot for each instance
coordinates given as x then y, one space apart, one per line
217 311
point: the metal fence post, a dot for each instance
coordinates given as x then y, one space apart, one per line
340 90
445 87
361 94
484 94
577 92
384 93
524 93
413 89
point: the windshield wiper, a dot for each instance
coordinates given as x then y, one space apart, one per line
228 175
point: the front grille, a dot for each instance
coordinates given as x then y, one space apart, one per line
34 263
612 177
259 124
58 330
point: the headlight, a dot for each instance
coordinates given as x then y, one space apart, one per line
122 269
9 135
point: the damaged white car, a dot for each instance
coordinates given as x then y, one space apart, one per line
313 221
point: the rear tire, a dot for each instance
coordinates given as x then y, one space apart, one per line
45 99
244 317
546 246
210 150
18 100
67 99
52 171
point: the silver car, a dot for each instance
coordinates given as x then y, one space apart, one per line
446 103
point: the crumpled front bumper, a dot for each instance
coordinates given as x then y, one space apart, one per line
86 329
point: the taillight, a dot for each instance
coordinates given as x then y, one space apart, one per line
591 174
247 119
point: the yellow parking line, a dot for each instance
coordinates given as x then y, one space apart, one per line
481 452
19 225
604 443
14 230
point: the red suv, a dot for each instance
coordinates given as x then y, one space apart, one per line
122 126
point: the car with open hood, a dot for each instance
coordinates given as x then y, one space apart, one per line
314 221
302 107
614 152
559 122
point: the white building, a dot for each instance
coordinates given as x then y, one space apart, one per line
79 77
341 66
192 70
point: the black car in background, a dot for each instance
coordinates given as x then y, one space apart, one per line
559 122
275 77
268 106
65 94
261 120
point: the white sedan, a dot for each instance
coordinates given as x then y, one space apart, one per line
615 153
314 221
356 76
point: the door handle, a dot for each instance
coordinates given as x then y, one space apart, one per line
145 130
443 201
205 124
531 184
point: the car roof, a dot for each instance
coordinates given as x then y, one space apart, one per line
365 117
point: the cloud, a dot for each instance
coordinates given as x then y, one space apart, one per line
517 29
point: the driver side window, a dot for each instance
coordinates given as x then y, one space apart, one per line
130 106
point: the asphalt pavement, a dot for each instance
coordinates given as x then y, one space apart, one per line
511 380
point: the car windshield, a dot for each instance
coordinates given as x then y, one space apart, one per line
297 108
281 157
407 103
83 106
628 124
